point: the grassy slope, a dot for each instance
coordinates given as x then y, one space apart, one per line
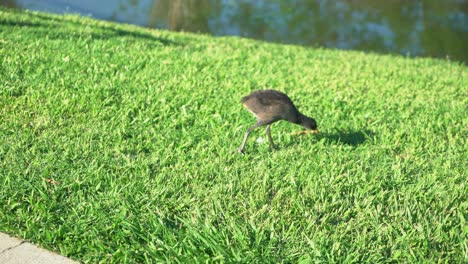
140 129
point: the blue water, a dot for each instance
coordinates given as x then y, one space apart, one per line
435 28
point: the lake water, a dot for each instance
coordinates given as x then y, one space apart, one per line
436 28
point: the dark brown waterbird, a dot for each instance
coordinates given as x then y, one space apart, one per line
269 106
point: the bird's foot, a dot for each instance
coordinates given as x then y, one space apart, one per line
241 151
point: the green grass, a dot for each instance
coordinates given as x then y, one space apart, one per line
140 129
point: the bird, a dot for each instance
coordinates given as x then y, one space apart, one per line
270 106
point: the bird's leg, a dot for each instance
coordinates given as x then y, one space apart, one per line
241 148
267 130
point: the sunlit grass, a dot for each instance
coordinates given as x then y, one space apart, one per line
118 144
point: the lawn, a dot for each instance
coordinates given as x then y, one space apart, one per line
119 144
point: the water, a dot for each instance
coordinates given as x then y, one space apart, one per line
436 28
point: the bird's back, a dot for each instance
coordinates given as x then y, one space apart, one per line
270 105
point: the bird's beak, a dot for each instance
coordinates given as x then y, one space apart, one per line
306 132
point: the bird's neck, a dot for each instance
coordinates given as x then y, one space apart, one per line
300 118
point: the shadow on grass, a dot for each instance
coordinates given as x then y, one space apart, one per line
21 24
107 32
345 137
351 138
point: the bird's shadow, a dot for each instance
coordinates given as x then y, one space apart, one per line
343 137
346 137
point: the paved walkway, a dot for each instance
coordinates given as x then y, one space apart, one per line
15 251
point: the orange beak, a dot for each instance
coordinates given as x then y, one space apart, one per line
306 132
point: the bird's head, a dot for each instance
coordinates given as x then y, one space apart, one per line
309 123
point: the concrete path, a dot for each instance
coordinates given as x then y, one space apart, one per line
15 251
